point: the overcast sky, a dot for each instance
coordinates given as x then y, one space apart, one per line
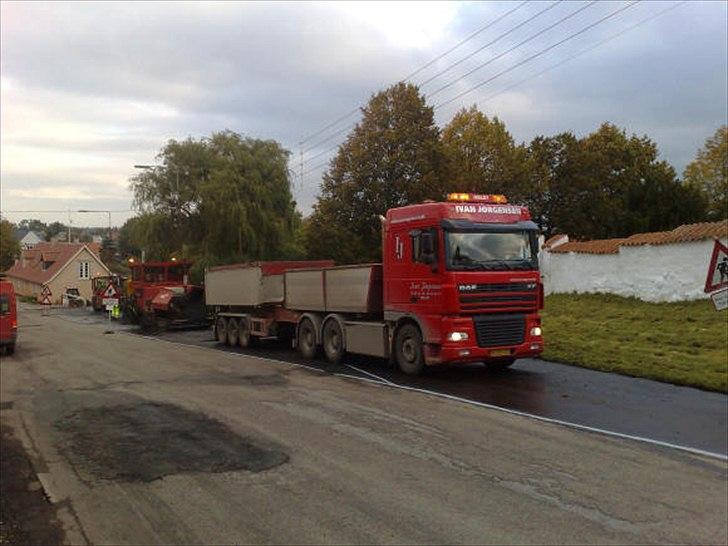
88 90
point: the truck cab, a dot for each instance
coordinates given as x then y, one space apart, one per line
465 274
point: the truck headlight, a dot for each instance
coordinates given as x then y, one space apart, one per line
457 336
536 331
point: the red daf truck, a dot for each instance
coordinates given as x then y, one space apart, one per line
459 282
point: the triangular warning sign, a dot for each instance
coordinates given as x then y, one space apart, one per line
110 291
718 269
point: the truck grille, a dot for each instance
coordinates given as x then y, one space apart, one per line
493 298
500 330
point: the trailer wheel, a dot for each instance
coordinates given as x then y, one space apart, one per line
307 338
333 341
232 332
244 337
408 350
221 330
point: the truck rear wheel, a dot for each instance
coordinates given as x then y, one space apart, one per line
408 350
333 341
307 338
232 332
221 330
245 339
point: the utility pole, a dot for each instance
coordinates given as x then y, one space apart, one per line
68 241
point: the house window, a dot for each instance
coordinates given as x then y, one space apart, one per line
83 271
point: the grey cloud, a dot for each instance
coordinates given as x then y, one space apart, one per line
283 70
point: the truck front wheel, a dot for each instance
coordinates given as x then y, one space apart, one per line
408 350
333 341
307 338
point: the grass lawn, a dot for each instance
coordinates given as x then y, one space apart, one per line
684 343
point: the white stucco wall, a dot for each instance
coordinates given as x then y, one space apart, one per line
673 272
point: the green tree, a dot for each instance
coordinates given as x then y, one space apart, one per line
223 198
481 155
708 173
393 157
9 247
32 224
605 185
52 229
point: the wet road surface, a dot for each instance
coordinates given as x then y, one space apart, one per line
658 411
639 407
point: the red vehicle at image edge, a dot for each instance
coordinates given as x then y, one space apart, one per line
8 317
459 282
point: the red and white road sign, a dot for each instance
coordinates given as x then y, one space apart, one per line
110 297
45 295
718 269
110 292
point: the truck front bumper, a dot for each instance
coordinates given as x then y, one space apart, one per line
468 350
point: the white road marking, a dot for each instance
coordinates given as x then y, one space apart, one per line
384 382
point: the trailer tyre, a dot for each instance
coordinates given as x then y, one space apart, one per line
221 330
244 338
232 332
307 338
333 341
408 350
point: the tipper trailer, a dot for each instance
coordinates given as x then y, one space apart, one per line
458 282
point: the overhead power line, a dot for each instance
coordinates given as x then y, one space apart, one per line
584 51
499 37
512 49
492 42
466 39
420 69
539 53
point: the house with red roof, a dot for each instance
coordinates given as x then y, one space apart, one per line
60 266
657 266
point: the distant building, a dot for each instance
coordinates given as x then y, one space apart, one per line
658 266
27 238
60 266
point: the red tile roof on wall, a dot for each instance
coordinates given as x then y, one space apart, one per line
554 239
598 246
682 234
30 265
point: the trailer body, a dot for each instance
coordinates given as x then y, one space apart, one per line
458 282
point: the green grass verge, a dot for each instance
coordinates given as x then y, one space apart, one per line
685 343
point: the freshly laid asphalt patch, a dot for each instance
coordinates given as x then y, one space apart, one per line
146 441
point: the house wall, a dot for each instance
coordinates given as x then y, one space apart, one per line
25 288
68 277
658 273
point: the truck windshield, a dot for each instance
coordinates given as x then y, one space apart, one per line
493 250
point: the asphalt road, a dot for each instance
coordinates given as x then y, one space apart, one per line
681 416
145 442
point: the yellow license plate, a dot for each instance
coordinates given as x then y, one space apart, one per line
500 352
